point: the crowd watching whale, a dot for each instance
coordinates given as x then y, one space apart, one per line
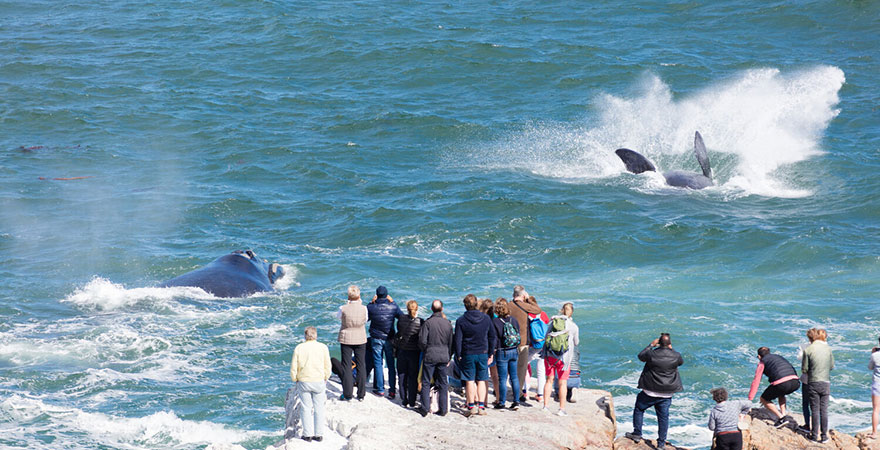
237 274
636 163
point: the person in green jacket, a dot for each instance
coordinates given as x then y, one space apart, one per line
817 365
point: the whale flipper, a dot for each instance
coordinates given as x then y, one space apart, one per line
634 162
702 155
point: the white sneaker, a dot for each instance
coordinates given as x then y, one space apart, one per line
546 410
561 413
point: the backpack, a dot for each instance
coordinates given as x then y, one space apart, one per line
538 325
509 336
557 338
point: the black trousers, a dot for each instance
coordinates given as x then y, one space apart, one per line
438 373
820 392
360 352
729 441
408 376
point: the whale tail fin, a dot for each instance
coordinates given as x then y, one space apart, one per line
634 162
702 155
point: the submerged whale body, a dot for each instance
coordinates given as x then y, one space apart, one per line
636 163
237 274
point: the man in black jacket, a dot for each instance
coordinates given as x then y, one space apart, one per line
658 382
435 339
382 313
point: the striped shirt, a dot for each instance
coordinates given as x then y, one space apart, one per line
725 415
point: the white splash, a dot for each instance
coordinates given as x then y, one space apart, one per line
102 294
755 125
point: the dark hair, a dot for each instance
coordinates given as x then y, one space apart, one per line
719 394
763 351
665 340
470 302
437 306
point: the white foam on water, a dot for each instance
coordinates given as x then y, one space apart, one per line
162 429
102 294
291 273
756 125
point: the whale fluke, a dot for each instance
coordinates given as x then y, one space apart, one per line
702 155
634 162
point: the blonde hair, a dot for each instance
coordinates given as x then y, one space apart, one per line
311 333
814 334
413 308
354 292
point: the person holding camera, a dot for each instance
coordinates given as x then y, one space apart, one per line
659 382
874 365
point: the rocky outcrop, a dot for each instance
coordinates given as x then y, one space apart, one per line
623 443
759 433
867 443
380 423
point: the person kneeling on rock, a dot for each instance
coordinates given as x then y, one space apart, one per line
724 420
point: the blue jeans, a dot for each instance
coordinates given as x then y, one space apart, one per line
312 396
382 347
661 407
505 361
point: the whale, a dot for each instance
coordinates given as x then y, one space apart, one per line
237 274
636 163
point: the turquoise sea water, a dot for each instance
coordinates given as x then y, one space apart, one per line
438 148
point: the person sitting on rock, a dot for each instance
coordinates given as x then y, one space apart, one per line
658 382
724 420
310 369
474 341
435 340
783 381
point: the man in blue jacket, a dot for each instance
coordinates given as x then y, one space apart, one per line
381 313
474 341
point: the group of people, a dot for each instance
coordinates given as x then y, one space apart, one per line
497 341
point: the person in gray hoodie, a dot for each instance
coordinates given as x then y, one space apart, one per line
474 341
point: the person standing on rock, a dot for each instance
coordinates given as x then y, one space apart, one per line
310 369
783 381
659 382
874 366
407 344
508 337
474 341
818 363
487 307
435 340
724 420
558 352
521 308
382 313
353 340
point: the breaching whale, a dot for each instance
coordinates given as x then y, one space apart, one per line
636 163
237 274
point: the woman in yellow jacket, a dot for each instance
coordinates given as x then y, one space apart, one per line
310 370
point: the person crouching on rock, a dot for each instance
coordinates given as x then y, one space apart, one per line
724 420
474 341
783 381
658 382
310 369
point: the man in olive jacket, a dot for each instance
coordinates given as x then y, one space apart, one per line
658 382
435 340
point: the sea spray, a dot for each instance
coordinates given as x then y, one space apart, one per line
755 124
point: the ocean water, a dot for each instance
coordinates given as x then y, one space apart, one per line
438 148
